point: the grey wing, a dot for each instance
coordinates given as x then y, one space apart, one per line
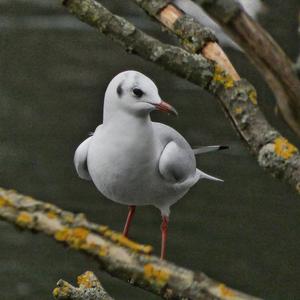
80 159
177 161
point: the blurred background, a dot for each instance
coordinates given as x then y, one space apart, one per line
54 71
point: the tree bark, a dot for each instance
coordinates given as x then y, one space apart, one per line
115 254
90 288
273 64
273 151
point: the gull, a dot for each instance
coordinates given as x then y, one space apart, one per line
252 7
134 161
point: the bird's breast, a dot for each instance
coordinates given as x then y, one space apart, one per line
122 167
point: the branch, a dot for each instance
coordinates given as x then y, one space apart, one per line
90 288
194 37
273 151
264 52
115 254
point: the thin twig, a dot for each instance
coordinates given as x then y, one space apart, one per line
115 254
89 288
239 98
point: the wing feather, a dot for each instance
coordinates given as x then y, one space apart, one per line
205 149
80 159
177 161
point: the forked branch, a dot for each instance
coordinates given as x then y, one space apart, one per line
239 98
272 62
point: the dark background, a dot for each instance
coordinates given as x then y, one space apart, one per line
54 71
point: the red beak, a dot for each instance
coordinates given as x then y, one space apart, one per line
166 107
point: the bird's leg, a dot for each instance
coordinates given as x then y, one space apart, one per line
129 219
164 232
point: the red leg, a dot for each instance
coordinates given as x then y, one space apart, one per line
164 232
129 219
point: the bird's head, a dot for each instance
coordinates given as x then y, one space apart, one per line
134 93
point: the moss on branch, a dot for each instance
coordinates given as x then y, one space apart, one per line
192 67
89 288
195 35
118 256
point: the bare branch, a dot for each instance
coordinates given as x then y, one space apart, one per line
89 288
115 254
194 37
239 98
265 53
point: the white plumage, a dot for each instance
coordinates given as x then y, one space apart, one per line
135 161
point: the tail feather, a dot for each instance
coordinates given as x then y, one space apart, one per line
203 175
205 149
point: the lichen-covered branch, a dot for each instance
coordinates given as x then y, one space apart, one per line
273 64
194 37
239 98
115 254
89 288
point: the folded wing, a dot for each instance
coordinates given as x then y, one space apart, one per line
80 159
177 161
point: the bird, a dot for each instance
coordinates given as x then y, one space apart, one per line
252 7
134 161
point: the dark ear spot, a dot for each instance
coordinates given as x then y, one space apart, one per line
120 90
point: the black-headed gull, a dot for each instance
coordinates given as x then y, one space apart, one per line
135 161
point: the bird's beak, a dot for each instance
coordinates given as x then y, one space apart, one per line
166 107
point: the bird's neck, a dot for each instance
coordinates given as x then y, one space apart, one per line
126 121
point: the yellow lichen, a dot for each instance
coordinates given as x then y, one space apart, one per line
86 280
225 291
156 275
76 237
253 97
55 292
80 233
5 202
102 228
238 110
24 219
62 292
221 77
61 235
68 217
103 251
283 148
124 241
51 214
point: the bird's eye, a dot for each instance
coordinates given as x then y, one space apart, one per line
138 92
